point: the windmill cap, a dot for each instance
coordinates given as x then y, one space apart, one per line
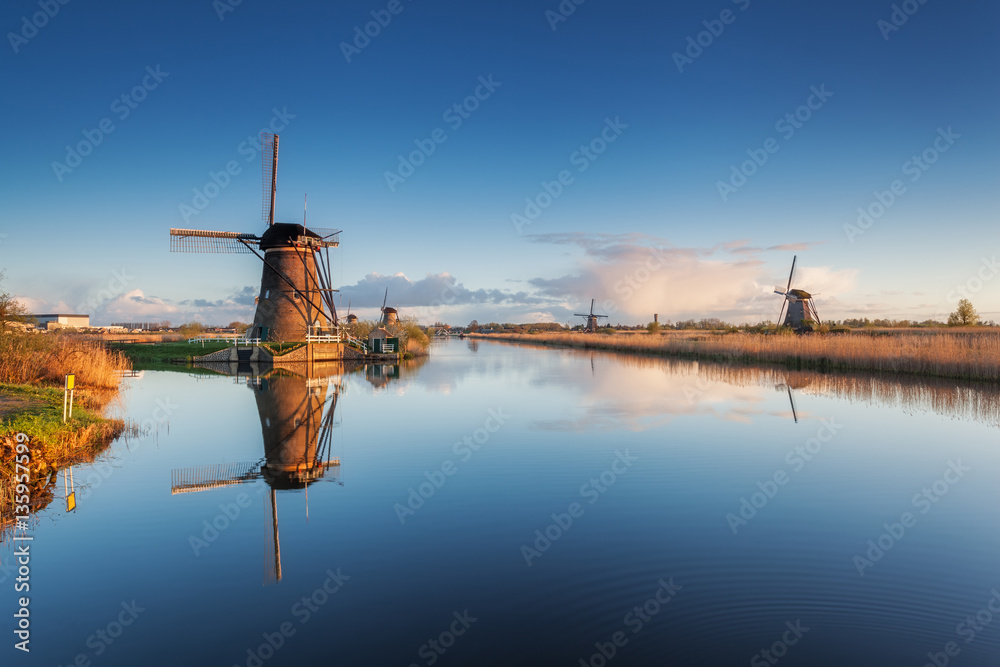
283 234
800 294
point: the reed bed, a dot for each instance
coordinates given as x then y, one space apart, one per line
965 355
966 400
46 359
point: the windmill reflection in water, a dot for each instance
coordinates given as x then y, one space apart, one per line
297 422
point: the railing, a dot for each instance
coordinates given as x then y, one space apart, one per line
339 335
330 336
360 344
323 338
235 340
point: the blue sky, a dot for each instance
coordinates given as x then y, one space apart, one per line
641 222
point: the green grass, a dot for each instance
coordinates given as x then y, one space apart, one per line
279 349
42 418
167 356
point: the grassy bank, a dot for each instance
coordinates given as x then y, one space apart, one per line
32 370
40 417
970 355
53 445
166 356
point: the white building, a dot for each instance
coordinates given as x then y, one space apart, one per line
64 320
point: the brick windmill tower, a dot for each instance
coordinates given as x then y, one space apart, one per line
296 294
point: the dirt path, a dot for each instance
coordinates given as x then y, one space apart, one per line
11 404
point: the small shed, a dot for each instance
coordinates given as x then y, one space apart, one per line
379 342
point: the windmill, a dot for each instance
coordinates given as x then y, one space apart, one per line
351 319
295 285
389 315
799 302
297 421
592 318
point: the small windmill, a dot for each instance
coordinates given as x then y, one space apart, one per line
351 319
593 319
296 292
799 303
389 315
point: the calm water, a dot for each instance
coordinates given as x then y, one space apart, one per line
502 505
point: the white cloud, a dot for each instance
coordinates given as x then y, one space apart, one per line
633 276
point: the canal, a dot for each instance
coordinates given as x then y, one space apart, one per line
499 504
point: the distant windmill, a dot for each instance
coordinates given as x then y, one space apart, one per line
351 319
592 318
295 286
799 303
389 315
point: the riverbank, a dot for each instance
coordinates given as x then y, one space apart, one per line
32 372
957 354
167 355
52 444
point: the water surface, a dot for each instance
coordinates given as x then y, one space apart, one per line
501 504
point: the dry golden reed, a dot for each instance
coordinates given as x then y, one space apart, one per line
46 359
969 355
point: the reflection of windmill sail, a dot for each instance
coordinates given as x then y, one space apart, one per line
788 386
297 420
791 399
192 480
272 567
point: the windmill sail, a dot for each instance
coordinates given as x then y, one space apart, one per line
269 174
197 240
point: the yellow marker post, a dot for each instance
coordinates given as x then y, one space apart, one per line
68 396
